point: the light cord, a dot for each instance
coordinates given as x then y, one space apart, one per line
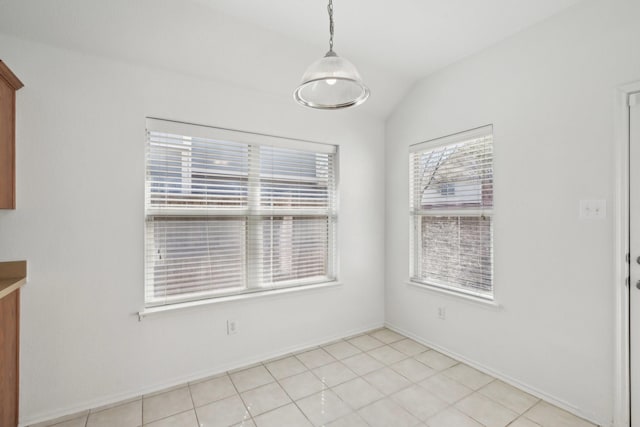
330 10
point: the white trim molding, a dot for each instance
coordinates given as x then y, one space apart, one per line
621 395
266 293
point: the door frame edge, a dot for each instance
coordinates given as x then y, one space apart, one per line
622 385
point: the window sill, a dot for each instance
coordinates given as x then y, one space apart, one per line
460 295
247 296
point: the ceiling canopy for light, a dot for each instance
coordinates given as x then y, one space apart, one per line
331 82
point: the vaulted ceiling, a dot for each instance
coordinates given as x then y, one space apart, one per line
267 45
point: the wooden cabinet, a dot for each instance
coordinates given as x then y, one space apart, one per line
12 277
9 84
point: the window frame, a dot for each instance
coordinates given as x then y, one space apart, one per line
251 213
415 219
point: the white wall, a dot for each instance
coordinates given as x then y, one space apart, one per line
79 223
549 92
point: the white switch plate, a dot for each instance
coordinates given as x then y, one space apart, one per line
593 209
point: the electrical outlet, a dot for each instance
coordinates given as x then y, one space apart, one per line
593 209
232 327
442 313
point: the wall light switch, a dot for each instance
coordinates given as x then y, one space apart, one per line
593 209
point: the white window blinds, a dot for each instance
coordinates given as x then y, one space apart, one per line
230 212
451 202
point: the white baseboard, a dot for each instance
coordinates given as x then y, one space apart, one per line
112 399
499 375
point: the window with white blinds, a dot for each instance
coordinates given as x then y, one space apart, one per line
231 212
451 203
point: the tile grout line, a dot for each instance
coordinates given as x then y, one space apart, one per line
194 404
337 395
323 383
384 365
453 404
437 372
384 396
295 402
240 395
168 416
538 400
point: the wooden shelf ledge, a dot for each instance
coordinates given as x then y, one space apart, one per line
13 275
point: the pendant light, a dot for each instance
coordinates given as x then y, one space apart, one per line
331 82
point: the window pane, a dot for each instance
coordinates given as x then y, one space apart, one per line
219 173
194 255
454 176
295 179
186 172
456 251
295 248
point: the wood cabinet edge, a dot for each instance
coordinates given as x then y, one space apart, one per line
13 275
9 77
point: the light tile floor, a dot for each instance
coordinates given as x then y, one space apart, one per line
378 379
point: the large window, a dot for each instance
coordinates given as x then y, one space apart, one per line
451 202
230 212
